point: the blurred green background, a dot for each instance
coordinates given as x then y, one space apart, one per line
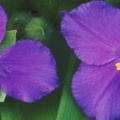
40 20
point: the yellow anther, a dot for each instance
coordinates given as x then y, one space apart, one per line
117 66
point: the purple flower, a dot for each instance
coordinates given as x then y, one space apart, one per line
92 30
27 69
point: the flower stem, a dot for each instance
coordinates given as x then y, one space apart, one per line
68 110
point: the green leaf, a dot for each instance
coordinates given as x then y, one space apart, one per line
2 96
9 39
11 110
68 109
44 109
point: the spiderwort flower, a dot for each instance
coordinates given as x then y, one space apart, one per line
92 30
27 69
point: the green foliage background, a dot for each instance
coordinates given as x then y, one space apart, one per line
59 105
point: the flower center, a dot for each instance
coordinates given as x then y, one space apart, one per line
117 66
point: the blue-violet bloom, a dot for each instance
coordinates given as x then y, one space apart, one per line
27 68
92 30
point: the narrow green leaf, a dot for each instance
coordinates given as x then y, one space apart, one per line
2 96
10 110
44 109
68 110
9 39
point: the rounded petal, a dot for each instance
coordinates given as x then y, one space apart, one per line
92 31
97 91
3 23
28 71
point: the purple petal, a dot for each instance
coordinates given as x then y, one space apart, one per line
92 31
97 90
28 71
3 23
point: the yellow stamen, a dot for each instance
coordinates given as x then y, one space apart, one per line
117 66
